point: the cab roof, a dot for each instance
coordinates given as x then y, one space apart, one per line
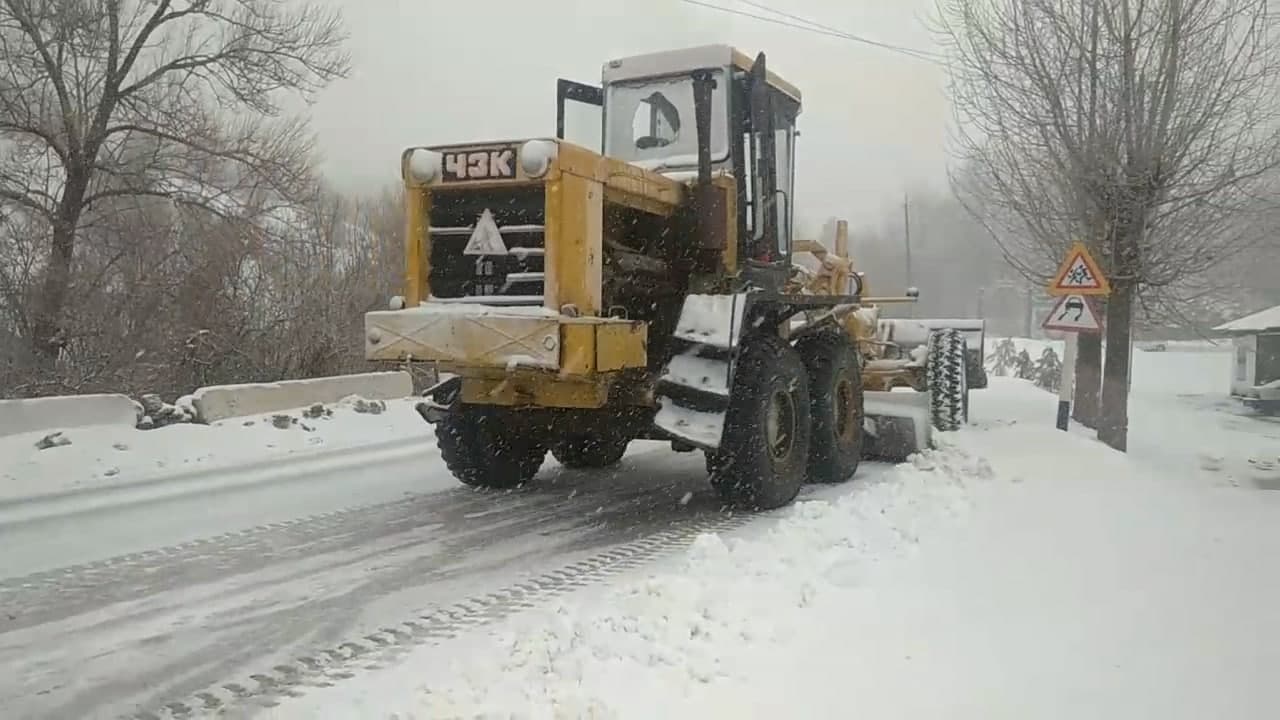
685 60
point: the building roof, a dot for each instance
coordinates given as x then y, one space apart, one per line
683 60
1261 321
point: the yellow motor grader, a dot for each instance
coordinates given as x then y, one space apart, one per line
579 299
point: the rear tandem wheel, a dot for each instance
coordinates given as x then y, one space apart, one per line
836 409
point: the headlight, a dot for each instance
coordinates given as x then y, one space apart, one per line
536 157
424 165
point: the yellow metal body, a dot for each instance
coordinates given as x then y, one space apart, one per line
563 354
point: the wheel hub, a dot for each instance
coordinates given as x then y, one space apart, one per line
780 424
845 424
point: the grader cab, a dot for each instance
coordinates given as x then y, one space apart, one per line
581 300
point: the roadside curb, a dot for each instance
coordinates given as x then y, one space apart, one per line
34 508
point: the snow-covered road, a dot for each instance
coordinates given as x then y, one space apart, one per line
192 599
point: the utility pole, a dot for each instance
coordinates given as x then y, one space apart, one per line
906 229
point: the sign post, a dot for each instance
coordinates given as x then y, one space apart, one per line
1078 281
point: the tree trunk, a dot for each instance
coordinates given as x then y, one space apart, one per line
1113 423
47 338
48 335
1084 403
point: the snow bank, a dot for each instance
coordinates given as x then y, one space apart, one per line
64 412
220 402
112 455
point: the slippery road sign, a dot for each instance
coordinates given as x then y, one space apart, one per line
1079 274
1074 313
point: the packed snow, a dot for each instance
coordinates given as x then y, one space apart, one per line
1016 571
706 319
101 456
697 426
706 374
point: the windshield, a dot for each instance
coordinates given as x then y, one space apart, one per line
651 122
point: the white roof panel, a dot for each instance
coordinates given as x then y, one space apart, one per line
1260 321
683 60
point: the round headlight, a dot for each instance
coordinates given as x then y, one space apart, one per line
536 157
424 165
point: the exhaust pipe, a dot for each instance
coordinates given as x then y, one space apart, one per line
704 197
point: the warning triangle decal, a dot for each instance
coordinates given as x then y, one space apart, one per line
486 239
1079 275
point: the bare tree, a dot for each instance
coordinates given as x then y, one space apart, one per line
1146 127
104 102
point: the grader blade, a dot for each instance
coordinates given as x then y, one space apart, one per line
897 424
911 333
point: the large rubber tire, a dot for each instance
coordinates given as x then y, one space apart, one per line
946 377
835 406
763 455
590 451
482 451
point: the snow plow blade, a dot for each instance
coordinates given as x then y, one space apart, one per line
909 333
897 424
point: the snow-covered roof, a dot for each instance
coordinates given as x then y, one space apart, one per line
684 60
1260 321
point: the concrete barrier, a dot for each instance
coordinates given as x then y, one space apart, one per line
65 411
220 402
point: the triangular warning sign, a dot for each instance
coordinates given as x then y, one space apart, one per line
486 239
1079 275
1074 313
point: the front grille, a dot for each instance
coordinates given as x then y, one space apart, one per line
516 278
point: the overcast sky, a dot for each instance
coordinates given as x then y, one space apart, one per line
438 71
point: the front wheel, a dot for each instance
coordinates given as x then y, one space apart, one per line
482 451
762 459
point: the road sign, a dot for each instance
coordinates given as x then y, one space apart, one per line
1079 274
1074 314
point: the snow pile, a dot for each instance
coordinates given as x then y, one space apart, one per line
154 412
100 456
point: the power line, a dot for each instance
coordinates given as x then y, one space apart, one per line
818 29
923 54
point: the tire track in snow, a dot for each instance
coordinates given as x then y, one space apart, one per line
69 590
64 592
326 667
